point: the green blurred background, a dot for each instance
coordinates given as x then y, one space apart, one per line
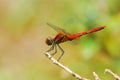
23 31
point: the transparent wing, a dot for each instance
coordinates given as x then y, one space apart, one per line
58 29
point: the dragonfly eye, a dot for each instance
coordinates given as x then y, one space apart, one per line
49 41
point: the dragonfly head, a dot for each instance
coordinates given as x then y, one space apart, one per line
49 41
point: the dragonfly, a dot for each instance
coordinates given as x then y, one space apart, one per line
64 36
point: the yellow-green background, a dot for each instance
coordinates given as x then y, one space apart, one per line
23 31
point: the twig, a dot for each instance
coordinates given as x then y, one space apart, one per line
113 74
64 67
96 76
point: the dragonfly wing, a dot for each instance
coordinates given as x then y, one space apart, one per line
58 29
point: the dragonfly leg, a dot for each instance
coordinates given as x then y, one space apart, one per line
51 48
55 50
61 51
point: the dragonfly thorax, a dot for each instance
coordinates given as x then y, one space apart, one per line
49 41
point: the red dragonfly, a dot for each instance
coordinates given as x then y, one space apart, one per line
64 36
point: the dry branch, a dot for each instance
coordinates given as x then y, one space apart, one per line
113 74
64 67
75 74
96 76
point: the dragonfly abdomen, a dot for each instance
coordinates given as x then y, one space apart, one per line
96 29
74 36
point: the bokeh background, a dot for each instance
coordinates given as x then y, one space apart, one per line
23 31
